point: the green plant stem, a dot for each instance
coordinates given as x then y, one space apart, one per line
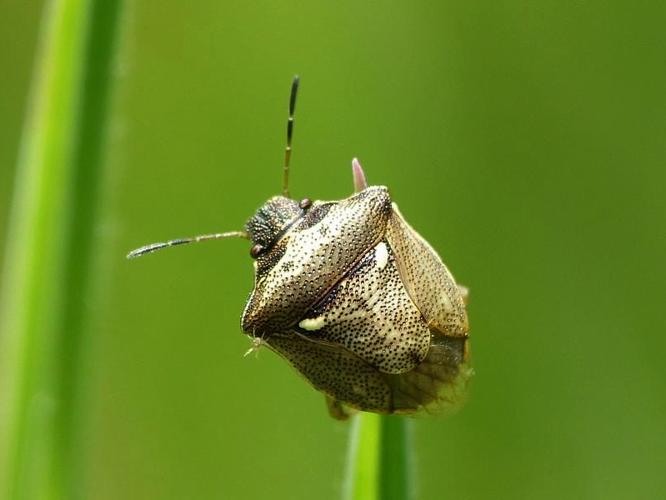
396 457
48 251
379 462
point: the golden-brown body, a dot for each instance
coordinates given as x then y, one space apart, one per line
360 305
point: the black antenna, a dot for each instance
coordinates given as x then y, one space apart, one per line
154 247
290 131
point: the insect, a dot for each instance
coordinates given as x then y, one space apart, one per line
353 298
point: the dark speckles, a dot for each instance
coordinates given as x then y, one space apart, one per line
438 381
265 226
287 266
352 227
370 313
428 281
315 214
367 343
337 372
267 259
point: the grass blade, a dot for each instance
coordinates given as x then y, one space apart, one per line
362 474
379 459
50 226
396 455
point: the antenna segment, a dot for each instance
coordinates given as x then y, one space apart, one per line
290 131
154 247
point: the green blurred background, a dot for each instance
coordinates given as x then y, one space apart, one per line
525 140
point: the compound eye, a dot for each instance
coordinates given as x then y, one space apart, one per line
305 203
256 251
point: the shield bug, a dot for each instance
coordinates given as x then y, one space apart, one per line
353 298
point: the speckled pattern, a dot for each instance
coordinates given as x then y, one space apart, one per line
429 283
360 305
311 258
371 315
437 384
335 371
265 226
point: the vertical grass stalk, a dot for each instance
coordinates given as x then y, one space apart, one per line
49 249
380 459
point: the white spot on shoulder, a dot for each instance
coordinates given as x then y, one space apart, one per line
381 255
312 324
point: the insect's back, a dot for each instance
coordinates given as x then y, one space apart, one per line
361 305
309 255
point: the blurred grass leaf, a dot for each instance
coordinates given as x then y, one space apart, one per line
49 249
